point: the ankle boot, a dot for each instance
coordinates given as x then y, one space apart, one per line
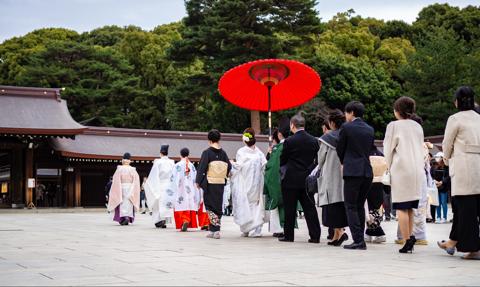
408 247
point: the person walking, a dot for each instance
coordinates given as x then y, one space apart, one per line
212 173
353 149
461 147
330 182
404 153
143 198
124 195
186 193
298 155
158 189
443 182
247 186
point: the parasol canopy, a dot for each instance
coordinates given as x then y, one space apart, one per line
270 85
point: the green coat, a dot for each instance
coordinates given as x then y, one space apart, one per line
272 186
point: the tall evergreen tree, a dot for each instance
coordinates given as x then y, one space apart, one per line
226 33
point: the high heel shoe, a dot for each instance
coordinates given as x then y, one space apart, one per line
332 243
409 245
342 239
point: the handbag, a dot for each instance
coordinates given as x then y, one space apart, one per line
311 182
386 178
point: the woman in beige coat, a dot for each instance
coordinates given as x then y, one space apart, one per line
404 153
461 147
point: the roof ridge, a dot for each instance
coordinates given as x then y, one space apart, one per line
35 92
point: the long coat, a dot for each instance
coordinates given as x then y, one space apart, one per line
330 183
461 148
404 153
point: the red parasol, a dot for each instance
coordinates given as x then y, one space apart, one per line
270 85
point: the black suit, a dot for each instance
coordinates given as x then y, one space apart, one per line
299 153
354 147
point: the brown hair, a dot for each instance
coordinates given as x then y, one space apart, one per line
253 140
337 117
405 106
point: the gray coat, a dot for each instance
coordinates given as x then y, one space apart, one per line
330 182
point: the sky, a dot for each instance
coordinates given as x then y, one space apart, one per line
19 17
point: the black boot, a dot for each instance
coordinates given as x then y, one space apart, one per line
409 245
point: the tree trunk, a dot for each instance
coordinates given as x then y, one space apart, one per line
255 121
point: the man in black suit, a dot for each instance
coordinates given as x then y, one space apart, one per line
354 147
297 159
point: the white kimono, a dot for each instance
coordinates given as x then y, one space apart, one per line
187 196
159 190
247 189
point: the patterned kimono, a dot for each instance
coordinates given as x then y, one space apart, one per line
186 193
158 189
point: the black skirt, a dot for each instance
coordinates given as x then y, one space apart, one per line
405 205
334 215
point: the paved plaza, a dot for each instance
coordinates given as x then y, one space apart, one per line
87 248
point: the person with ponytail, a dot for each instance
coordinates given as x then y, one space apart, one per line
186 193
404 153
461 148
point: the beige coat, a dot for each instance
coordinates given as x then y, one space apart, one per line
461 148
404 153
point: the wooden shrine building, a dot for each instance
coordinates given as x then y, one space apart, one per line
49 160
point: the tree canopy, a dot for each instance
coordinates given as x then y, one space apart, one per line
167 78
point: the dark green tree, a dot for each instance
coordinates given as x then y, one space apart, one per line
433 73
225 33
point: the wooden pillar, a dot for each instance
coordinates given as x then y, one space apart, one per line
28 174
70 184
255 121
17 178
78 188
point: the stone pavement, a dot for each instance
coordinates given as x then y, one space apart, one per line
88 248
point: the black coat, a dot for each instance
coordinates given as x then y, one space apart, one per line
298 156
354 148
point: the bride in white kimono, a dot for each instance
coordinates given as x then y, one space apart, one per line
247 187
159 189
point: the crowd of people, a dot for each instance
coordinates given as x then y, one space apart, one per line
348 172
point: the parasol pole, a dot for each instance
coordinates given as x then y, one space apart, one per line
269 115
269 87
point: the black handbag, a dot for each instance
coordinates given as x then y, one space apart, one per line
311 183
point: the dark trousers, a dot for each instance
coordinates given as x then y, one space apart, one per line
355 193
433 211
290 199
387 201
465 227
